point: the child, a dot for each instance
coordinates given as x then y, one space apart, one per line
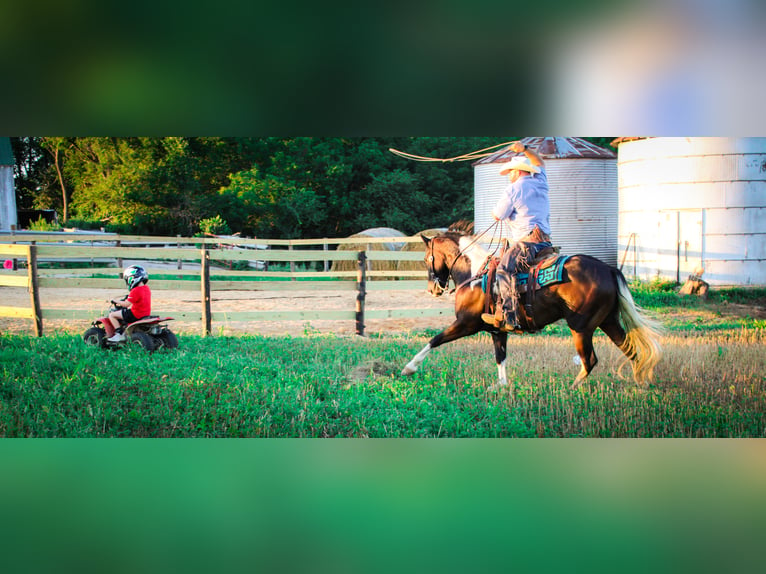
137 305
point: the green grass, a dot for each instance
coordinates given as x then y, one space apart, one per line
326 386
711 383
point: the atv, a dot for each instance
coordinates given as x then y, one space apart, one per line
149 332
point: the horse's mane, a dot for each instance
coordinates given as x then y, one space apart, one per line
462 226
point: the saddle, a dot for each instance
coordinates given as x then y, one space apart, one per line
544 259
543 272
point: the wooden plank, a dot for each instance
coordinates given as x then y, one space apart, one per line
116 272
70 314
308 315
72 251
85 314
17 312
73 238
404 273
309 274
282 255
409 313
57 271
90 283
354 240
373 255
11 281
26 237
173 285
9 250
216 284
78 282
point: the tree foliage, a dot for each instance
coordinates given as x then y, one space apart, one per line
266 187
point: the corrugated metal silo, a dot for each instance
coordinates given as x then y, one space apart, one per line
8 217
693 202
583 193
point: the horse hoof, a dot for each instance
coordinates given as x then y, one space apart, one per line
407 371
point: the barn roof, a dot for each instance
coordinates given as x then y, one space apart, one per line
554 148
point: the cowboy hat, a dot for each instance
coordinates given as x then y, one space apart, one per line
519 162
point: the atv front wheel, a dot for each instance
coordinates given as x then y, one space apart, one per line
95 336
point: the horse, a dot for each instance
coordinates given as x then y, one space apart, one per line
590 295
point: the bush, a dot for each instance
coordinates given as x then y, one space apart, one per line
214 226
86 224
43 225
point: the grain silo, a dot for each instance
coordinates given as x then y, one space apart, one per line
693 202
583 193
8 216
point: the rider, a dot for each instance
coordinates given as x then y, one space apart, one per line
136 306
526 206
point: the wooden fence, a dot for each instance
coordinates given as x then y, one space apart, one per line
278 272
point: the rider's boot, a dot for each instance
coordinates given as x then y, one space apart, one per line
510 321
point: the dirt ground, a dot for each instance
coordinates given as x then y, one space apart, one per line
177 302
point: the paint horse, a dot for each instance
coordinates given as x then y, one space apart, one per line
589 294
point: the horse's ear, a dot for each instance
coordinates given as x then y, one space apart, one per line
426 240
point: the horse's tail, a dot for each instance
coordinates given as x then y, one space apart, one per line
641 344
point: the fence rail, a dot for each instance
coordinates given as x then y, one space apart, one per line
31 249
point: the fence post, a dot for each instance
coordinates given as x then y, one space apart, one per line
326 263
178 244
34 291
292 263
361 286
205 279
118 243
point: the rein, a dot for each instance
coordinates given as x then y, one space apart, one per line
461 252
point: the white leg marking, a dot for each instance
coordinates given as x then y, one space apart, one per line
413 365
502 379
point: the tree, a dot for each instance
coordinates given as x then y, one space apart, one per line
33 174
267 207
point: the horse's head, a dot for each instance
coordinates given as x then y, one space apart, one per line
437 265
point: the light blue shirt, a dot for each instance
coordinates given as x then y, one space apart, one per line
525 204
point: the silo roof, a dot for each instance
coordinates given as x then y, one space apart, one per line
554 148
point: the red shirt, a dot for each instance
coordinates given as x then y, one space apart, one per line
141 298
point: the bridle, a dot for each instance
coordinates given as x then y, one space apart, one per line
442 286
439 286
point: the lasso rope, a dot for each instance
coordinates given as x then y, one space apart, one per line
478 154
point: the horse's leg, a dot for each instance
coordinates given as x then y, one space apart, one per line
500 341
611 326
583 341
457 330
615 332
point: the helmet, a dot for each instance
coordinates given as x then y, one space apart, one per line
134 276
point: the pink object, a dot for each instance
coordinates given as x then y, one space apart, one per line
8 264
